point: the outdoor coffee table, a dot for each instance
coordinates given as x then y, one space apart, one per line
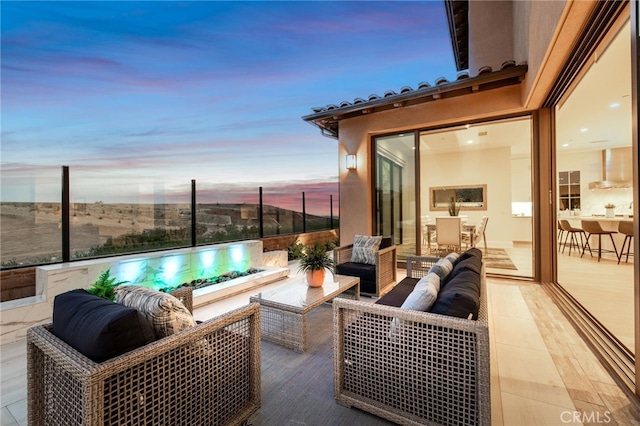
284 309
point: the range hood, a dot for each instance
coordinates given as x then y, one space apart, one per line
617 169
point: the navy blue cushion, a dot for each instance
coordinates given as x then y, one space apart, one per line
98 328
386 242
364 271
397 295
472 252
472 261
460 296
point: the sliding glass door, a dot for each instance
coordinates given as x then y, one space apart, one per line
486 169
595 187
395 190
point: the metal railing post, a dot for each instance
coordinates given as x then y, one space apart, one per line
65 213
193 213
330 211
304 214
261 221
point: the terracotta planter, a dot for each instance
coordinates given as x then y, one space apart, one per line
315 278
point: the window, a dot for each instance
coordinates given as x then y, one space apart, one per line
468 197
569 190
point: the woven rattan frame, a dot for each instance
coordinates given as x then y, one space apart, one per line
435 372
185 295
386 260
206 375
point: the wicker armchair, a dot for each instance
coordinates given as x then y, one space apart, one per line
376 279
436 372
206 375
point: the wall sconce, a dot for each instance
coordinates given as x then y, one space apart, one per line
351 161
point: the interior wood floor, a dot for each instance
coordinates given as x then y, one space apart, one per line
604 288
542 371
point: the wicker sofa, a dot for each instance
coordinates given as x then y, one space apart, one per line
206 375
375 279
436 373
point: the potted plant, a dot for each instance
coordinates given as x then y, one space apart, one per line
313 261
105 286
454 207
609 210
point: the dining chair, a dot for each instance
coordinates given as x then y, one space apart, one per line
448 233
560 234
472 238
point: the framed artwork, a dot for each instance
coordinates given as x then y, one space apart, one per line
468 197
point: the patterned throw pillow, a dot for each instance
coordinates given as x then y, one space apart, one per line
165 312
365 249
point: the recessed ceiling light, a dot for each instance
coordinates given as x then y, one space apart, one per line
614 105
469 141
584 129
467 126
564 145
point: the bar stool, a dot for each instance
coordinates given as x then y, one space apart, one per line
571 236
626 227
592 227
560 233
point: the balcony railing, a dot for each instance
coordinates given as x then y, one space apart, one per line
141 215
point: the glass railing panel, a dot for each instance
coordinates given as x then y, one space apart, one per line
117 213
226 214
321 202
281 211
30 215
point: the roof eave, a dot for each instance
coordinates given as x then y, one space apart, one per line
458 19
328 119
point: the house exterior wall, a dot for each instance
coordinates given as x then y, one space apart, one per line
551 29
490 48
541 34
538 33
356 197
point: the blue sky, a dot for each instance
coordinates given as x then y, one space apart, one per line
214 91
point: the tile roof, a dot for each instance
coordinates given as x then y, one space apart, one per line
327 117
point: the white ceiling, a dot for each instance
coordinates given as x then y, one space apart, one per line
608 81
588 106
514 133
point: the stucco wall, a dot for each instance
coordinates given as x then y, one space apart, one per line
552 29
490 48
539 33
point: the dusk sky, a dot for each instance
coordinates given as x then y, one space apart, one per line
167 91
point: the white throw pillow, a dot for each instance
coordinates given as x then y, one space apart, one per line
424 294
365 249
422 298
452 257
442 268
